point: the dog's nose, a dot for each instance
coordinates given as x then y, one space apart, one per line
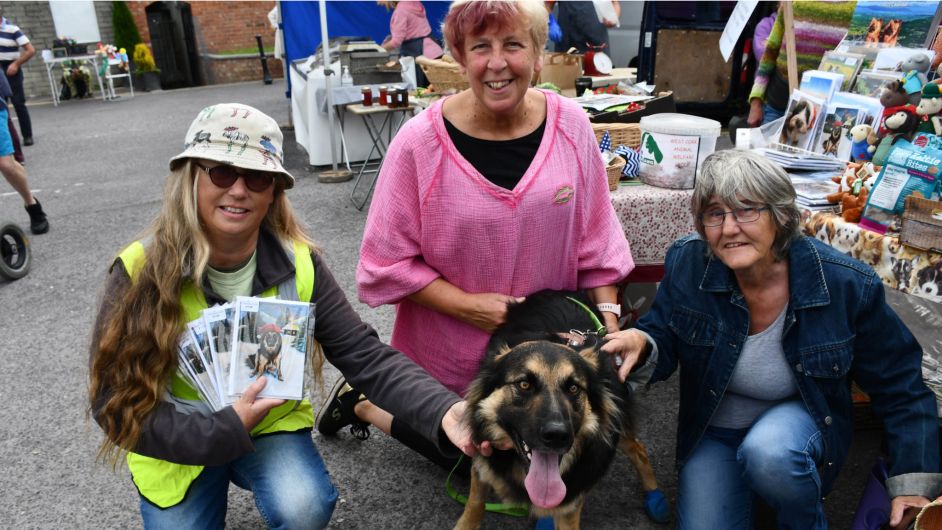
555 435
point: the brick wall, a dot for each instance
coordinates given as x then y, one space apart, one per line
219 27
35 20
221 69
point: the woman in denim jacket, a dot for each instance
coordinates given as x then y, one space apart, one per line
770 328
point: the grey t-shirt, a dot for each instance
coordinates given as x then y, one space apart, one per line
760 380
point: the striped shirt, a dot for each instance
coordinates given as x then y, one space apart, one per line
11 38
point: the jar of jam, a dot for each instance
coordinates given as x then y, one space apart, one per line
393 97
404 98
367 96
383 96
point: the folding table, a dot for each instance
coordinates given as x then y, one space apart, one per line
380 121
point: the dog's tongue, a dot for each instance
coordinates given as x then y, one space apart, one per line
544 485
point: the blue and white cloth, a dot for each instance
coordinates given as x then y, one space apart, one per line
632 161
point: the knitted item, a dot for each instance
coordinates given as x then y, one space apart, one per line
819 27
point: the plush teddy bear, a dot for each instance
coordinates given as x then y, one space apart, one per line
929 108
845 183
852 205
893 98
861 135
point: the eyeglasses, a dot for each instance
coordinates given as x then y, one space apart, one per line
225 176
717 216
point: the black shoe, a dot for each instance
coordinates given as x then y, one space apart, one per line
337 412
27 140
37 218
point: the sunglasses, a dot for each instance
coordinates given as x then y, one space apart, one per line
224 176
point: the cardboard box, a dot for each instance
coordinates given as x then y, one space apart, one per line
561 69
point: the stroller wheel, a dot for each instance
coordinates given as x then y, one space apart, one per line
15 256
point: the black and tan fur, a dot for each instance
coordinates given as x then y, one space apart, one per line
269 355
545 396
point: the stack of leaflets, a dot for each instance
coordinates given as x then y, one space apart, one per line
231 345
812 189
794 159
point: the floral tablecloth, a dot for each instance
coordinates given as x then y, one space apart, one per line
652 219
901 267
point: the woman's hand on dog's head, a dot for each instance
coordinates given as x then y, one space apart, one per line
630 345
456 427
251 410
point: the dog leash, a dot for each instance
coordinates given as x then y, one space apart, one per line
600 328
513 510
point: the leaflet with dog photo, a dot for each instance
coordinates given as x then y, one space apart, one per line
891 23
271 341
835 139
801 119
197 330
220 321
191 362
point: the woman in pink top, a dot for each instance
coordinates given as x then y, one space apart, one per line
410 31
486 197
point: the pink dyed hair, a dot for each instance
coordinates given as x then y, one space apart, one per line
470 18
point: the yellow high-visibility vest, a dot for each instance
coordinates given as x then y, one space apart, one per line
166 483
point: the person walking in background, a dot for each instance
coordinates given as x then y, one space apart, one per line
11 60
410 31
819 27
13 171
581 27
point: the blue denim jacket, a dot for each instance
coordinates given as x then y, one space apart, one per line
838 328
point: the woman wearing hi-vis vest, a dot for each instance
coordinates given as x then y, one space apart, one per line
227 229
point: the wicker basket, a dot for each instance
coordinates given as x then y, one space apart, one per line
622 133
614 172
442 73
922 224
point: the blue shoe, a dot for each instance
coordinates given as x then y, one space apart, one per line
545 523
656 506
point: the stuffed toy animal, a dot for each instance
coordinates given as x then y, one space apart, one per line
861 134
892 98
852 205
901 124
845 183
914 70
929 108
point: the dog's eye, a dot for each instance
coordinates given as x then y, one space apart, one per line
573 389
523 385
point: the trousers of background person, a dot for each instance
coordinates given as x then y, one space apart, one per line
19 100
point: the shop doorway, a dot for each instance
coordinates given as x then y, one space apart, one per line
174 43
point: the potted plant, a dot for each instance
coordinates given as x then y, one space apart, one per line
145 70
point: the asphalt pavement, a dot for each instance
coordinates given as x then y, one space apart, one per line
98 169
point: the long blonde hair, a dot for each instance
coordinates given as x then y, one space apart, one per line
136 351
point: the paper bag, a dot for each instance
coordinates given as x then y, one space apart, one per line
561 69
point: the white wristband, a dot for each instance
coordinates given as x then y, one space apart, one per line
610 308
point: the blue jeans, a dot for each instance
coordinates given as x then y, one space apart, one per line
770 113
775 459
285 473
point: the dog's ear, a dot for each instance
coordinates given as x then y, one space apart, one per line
501 349
591 356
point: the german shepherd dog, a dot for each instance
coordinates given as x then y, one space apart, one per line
268 358
559 401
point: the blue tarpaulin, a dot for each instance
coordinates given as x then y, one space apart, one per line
302 24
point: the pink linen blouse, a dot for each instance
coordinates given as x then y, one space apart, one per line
434 215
